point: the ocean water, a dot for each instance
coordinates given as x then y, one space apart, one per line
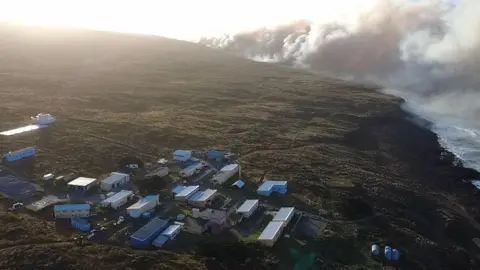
460 137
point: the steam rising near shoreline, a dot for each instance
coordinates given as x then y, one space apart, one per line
427 53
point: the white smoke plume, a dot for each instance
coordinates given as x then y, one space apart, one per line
427 52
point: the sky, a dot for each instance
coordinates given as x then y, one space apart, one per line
183 19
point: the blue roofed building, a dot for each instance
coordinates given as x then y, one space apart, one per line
216 155
202 198
182 155
178 189
268 187
238 184
186 193
71 210
145 235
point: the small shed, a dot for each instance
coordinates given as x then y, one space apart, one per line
202 198
145 235
80 224
271 233
268 187
215 154
284 215
82 184
248 208
186 193
182 155
115 180
238 184
143 205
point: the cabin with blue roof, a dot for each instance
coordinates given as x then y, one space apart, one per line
182 155
145 235
268 187
71 210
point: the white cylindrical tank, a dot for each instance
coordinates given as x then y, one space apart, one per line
375 250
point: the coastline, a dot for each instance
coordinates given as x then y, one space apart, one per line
429 197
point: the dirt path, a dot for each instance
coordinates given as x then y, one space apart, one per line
121 144
279 149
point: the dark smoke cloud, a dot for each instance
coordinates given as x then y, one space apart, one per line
427 51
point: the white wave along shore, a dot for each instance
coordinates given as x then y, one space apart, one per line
427 52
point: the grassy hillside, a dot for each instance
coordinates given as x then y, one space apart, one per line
348 152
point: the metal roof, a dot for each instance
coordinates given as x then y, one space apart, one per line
114 178
272 229
118 196
178 189
171 230
267 185
21 130
142 202
72 207
182 153
229 167
203 195
148 229
239 183
188 191
190 167
283 214
160 240
247 206
82 181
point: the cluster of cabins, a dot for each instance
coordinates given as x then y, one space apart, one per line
274 229
158 231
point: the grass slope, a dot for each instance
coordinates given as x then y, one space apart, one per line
348 151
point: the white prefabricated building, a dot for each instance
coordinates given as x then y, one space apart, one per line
225 174
191 170
186 193
284 215
144 205
248 208
115 179
118 199
202 198
271 233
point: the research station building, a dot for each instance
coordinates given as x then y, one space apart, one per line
284 215
182 155
202 198
143 205
271 233
167 235
145 235
225 173
268 187
248 208
82 184
185 192
118 199
115 180
71 210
